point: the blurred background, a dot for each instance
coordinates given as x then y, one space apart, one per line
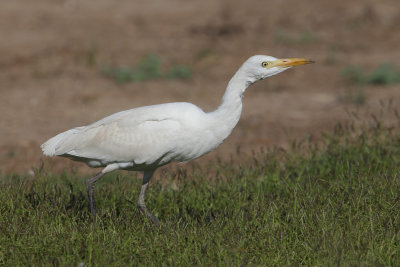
67 63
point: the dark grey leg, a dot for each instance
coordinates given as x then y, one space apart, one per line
141 205
90 191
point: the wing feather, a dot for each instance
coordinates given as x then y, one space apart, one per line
142 143
142 135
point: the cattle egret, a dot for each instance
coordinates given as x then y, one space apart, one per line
145 138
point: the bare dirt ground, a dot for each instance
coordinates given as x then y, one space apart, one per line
52 51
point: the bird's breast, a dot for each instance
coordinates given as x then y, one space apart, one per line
194 144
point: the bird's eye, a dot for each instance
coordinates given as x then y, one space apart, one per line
265 64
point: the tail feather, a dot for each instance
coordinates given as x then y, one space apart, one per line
50 147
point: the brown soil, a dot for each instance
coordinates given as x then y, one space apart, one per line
52 52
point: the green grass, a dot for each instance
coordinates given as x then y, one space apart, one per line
149 68
384 74
332 203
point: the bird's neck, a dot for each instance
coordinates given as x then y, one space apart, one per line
227 115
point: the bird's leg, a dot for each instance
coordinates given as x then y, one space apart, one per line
144 209
90 191
90 185
141 205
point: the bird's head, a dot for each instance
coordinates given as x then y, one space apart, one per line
260 67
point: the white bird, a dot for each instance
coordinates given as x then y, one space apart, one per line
145 138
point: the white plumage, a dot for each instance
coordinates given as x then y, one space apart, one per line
145 135
145 138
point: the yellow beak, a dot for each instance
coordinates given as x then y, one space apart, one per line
290 62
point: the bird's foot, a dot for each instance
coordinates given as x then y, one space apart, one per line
153 218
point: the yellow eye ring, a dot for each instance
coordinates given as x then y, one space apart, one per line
265 64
